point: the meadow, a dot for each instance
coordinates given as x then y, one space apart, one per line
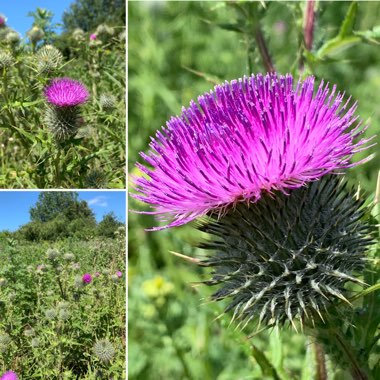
178 51
63 307
45 142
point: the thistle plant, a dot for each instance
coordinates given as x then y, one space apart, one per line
64 96
258 163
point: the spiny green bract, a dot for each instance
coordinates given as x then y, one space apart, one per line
104 350
287 258
63 122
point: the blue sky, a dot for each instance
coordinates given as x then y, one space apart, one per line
16 12
15 205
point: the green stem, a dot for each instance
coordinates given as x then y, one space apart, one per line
320 361
356 372
365 292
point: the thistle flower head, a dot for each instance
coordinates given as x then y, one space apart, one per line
288 258
66 92
87 278
35 342
95 179
78 34
48 59
9 375
6 60
52 254
12 37
5 339
29 332
93 37
50 314
3 20
244 139
63 314
35 34
69 256
104 350
107 101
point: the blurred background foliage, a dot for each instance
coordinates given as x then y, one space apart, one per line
177 51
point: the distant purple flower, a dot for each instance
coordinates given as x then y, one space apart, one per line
251 136
86 278
2 20
119 274
66 92
280 27
93 36
10 375
97 274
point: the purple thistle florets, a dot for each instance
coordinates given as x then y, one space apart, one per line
86 278
93 36
247 137
66 92
10 375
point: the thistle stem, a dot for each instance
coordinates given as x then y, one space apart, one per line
308 31
320 361
356 372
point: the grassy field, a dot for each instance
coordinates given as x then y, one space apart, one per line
53 317
177 51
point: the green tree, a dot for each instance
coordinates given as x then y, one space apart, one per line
88 14
51 204
108 225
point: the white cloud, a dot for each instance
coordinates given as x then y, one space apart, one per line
98 201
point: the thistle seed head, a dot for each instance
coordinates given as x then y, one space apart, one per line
287 258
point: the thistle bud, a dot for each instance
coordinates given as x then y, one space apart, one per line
48 59
35 34
6 60
107 101
104 350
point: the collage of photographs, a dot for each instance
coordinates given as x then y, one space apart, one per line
189 190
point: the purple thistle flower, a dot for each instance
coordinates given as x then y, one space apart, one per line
247 137
93 36
10 375
66 92
87 278
119 274
2 20
97 274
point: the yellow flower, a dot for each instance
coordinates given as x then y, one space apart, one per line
157 287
